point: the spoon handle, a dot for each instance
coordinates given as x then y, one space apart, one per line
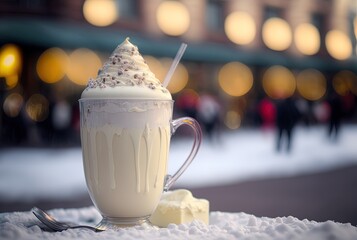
88 227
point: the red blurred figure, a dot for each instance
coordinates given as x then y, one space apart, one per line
267 113
187 102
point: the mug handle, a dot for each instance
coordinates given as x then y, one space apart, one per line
175 124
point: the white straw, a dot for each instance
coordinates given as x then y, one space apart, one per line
174 64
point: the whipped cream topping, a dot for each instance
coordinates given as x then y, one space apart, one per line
125 72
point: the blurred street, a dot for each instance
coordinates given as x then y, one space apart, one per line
328 195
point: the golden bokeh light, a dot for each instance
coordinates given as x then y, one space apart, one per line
83 64
180 78
240 27
160 68
13 104
307 39
352 82
173 18
277 34
279 82
37 108
235 78
344 82
100 12
311 84
338 45
11 81
10 60
156 67
232 120
340 84
52 65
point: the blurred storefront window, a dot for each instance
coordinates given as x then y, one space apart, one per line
214 16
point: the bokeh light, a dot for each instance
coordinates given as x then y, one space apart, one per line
83 64
37 107
307 39
52 65
180 78
13 104
352 82
235 78
10 60
100 12
311 84
240 27
279 82
340 84
156 67
338 45
344 82
232 120
160 68
11 81
277 34
173 18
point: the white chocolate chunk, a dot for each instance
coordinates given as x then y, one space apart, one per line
179 207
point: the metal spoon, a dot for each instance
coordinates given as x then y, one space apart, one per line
55 225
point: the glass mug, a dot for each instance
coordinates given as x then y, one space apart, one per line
125 147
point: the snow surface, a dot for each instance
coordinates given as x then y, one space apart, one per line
32 174
24 225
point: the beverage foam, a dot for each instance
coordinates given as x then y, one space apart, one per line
126 75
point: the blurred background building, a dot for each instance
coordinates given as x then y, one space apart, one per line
247 55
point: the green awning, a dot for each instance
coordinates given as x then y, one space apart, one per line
70 35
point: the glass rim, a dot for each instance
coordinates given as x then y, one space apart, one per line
126 99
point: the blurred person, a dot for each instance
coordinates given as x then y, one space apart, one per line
286 119
209 114
75 118
348 103
15 130
321 111
75 125
267 113
61 120
334 123
187 102
306 112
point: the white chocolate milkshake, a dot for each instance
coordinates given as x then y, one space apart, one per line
125 135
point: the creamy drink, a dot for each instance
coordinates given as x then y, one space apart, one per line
126 128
